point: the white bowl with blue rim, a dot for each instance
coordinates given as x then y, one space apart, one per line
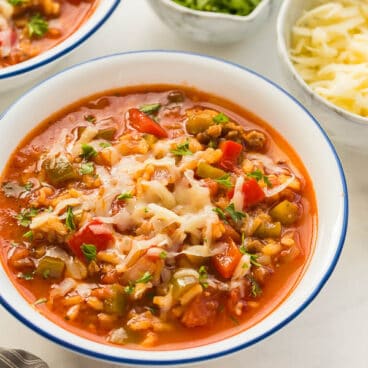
210 27
14 76
342 126
238 84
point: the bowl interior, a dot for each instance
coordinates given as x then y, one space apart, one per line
102 11
231 82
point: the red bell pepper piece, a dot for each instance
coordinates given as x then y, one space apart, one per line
253 193
226 262
94 232
144 124
230 153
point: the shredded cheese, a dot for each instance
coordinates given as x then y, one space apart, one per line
330 51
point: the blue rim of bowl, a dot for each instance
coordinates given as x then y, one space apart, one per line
67 50
122 360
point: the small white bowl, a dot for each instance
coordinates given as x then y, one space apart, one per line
14 76
237 84
342 125
210 27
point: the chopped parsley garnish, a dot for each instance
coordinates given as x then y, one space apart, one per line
88 152
28 186
129 288
69 221
28 235
37 26
235 215
40 301
25 216
124 196
253 257
255 288
213 143
25 276
225 181
182 149
90 118
203 275
89 251
258 175
163 255
220 213
16 2
145 278
221 118
87 168
234 320
150 108
105 144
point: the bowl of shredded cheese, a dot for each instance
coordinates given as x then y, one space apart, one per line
323 47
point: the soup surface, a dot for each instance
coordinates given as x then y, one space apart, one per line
155 217
30 27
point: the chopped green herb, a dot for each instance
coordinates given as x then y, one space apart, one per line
69 221
40 301
129 289
25 276
37 26
258 175
255 288
245 266
220 213
221 118
235 7
124 196
146 210
225 181
182 149
150 108
235 320
87 168
16 2
203 275
28 186
235 215
25 216
105 144
163 255
89 251
88 152
28 235
90 118
145 278
14 244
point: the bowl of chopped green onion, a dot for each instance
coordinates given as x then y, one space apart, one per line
212 21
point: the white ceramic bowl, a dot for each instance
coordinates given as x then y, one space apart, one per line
210 27
237 84
16 75
342 126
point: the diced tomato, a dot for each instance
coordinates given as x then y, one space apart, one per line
226 262
253 193
230 154
94 232
144 124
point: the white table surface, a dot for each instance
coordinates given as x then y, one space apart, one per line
333 330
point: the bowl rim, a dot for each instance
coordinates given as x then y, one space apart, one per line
190 360
217 15
285 57
64 51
